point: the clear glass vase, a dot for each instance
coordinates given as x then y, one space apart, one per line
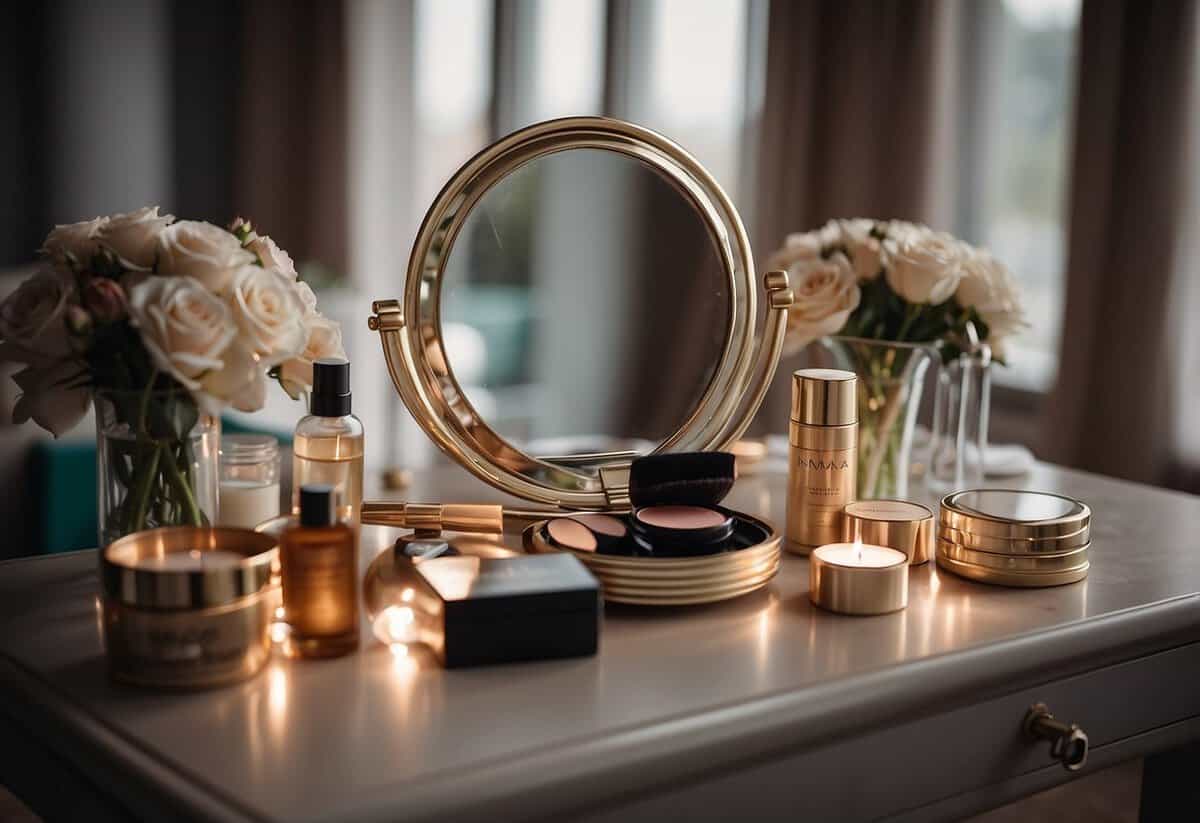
891 380
156 462
960 422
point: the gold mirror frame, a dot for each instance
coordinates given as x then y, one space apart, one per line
412 341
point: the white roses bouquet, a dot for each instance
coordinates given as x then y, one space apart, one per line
897 281
882 282
167 320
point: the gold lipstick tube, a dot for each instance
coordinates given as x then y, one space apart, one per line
822 456
480 518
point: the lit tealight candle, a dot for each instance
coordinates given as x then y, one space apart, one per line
858 578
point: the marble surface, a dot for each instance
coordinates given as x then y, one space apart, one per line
378 735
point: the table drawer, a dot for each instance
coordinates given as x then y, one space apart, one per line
943 753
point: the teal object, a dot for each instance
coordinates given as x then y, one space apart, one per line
63 481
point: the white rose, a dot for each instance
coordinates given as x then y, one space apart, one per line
990 288
74 243
271 256
268 312
826 292
208 253
56 397
923 266
796 247
864 249
33 319
133 237
830 234
241 382
187 331
307 297
324 340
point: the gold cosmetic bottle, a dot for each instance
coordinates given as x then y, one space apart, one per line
822 456
319 570
328 443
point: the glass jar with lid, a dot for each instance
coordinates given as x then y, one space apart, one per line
249 480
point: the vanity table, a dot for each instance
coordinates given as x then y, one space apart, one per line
761 707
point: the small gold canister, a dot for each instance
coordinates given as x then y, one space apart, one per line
188 607
897 524
822 456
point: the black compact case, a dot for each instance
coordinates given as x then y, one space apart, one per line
474 611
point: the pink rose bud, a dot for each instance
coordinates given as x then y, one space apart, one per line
105 299
79 322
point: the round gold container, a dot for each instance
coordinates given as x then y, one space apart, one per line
173 620
1012 514
675 581
997 577
1069 561
1014 538
898 524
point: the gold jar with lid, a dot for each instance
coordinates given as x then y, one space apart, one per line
898 524
189 607
1014 538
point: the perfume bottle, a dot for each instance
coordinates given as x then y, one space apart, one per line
328 442
822 456
319 570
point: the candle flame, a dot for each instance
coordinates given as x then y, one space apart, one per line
858 549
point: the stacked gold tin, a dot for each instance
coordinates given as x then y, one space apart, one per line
1014 538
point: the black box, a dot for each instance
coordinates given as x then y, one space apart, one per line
499 610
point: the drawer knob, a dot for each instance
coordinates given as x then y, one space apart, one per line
1068 742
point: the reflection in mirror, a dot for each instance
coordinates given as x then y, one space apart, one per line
584 305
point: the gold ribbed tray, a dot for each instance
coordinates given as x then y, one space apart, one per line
675 581
1026 579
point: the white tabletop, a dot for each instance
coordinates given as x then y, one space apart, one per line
672 691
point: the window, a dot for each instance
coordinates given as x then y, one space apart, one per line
1015 185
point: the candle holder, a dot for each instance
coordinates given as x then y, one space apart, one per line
858 578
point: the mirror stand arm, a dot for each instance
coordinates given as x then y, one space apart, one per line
770 347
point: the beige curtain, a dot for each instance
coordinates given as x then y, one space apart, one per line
291 170
1111 409
856 122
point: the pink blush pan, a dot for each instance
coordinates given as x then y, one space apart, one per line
571 534
684 518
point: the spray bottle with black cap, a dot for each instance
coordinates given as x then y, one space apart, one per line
328 444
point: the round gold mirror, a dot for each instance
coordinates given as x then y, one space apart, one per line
579 293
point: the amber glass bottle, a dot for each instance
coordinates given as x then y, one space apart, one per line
319 564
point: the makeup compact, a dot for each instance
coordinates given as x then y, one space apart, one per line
475 609
1013 537
587 280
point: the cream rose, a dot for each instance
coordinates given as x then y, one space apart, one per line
796 247
269 313
306 295
74 243
33 318
826 292
863 247
324 340
923 266
271 256
56 397
133 237
185 328
208 253
989 287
